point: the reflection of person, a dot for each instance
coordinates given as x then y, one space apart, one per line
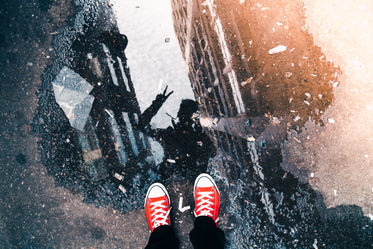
115 41
205 234
185 143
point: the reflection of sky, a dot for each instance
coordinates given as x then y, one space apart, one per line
153 62
343 28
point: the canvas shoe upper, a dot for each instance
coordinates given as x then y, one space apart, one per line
206 197
157 206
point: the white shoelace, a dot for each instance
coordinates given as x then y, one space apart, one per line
205 208
160 215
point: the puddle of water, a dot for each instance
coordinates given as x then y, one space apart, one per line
111 161
114 158
106 158
294 85
284 81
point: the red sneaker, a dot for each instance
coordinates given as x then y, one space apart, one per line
157 206
206 197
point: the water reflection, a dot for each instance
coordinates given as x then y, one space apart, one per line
293 85
111 159
283 81
114 158
187 147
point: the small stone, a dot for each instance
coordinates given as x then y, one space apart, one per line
121 188
297 118
276 120
278 49
248 81
297 140
118 176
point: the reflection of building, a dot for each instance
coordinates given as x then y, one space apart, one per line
289 88
106 158
227 47
212 71
205 50
111 145
254 93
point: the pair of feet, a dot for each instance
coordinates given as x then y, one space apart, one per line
158 205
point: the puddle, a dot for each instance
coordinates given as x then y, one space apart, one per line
251 87
258 76
105 156
294 85
105 147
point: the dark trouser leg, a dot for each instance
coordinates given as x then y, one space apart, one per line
205 234
163 237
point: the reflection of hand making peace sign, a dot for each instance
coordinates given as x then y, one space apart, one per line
163 97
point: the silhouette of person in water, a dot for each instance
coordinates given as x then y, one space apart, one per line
187 148
116 42
184 143
116 97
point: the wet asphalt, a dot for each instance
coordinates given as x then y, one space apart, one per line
54 197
